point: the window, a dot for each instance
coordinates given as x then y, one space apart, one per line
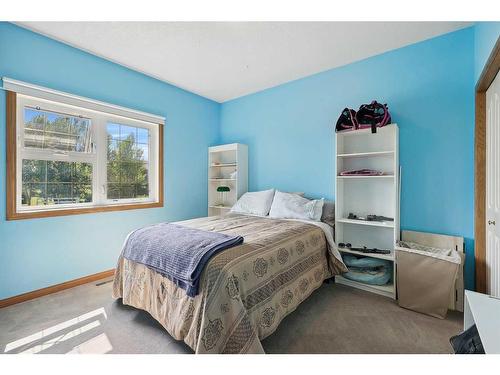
46 183
127 163
56 157
71 159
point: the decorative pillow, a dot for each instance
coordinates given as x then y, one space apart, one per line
293 206
328 215
254 203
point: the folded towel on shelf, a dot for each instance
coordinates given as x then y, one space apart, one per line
368 270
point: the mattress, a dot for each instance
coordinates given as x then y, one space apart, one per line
245 291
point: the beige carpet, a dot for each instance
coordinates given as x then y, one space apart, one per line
335 319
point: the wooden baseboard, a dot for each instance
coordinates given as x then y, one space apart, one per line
55 288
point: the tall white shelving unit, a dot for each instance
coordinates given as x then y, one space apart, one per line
364 195
227 166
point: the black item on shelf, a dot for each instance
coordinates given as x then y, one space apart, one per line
348 245
369 116
364 249
372 116
347 120
468 342
378 218
369 217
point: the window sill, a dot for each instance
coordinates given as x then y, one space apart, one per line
81 210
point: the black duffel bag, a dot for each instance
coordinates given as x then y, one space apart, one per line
468 342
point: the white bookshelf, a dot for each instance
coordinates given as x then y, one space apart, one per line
227 166
364 195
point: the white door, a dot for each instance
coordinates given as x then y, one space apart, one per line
493 188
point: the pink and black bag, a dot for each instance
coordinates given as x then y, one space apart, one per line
347 120
373 116
369 116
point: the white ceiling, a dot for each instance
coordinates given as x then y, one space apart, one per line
226 60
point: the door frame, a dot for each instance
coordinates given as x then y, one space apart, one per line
488 74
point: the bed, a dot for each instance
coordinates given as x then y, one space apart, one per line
245 291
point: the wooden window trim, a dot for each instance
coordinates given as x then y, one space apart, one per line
488 74
11 204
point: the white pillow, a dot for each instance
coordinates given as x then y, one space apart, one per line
293 206
254 203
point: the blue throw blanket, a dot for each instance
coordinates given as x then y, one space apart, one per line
177 252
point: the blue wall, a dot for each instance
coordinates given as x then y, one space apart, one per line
41 252
429 87
485 37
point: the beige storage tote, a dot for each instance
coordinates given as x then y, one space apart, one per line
426 277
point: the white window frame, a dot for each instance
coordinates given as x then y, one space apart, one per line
98 156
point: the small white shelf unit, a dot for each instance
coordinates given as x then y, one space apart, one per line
365 195
227 166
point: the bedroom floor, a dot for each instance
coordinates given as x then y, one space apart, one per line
335 319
